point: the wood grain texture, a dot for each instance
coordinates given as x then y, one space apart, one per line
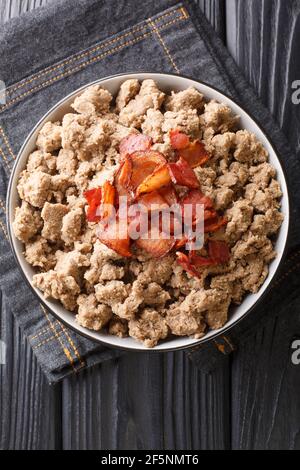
13 8
29 408
263 37
147 402
215 12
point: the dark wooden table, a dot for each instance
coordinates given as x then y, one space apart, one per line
163 401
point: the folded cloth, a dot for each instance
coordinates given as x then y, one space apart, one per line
55 50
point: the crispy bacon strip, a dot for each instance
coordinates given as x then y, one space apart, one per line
178 139
214 224
108 200
94 198
159 178
143 165
116 237
156 246
122 179
134 143
219 251
195 197
184 261
181 173
194 154
169 194
201 261
153 201
125 171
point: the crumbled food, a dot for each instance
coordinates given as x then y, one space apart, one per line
70 263
94 100
186 121
128 90
71 226
49 138
149 327
35 187
27 223
152 125
41 161
239 218
58 286
218 117
66 162
118 327
149 96
262 200
91 314
53 215
186 99
40 254
248 149
155 148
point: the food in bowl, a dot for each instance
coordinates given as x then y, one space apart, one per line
159 149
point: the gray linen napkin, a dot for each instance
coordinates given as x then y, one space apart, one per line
48 54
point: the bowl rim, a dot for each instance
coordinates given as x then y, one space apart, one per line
220 332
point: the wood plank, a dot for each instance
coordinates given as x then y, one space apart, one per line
215 12
29 408
13 8
262 36
147 401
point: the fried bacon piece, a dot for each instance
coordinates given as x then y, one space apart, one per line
134 143
107 201
178 139
115 236
218 251
218 254
153 201
122 179
214 224
181 173
158 244
156 180
184 261
196 197
195 154
143 165
169 194
94 198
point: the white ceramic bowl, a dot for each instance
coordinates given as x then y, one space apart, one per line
166 82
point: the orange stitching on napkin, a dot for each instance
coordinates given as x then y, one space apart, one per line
5 159
71 71
42 343
2 205
65 350
42 332
6 141
84 64
184 12
4 230
154 28
86 53
220 347
69 339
